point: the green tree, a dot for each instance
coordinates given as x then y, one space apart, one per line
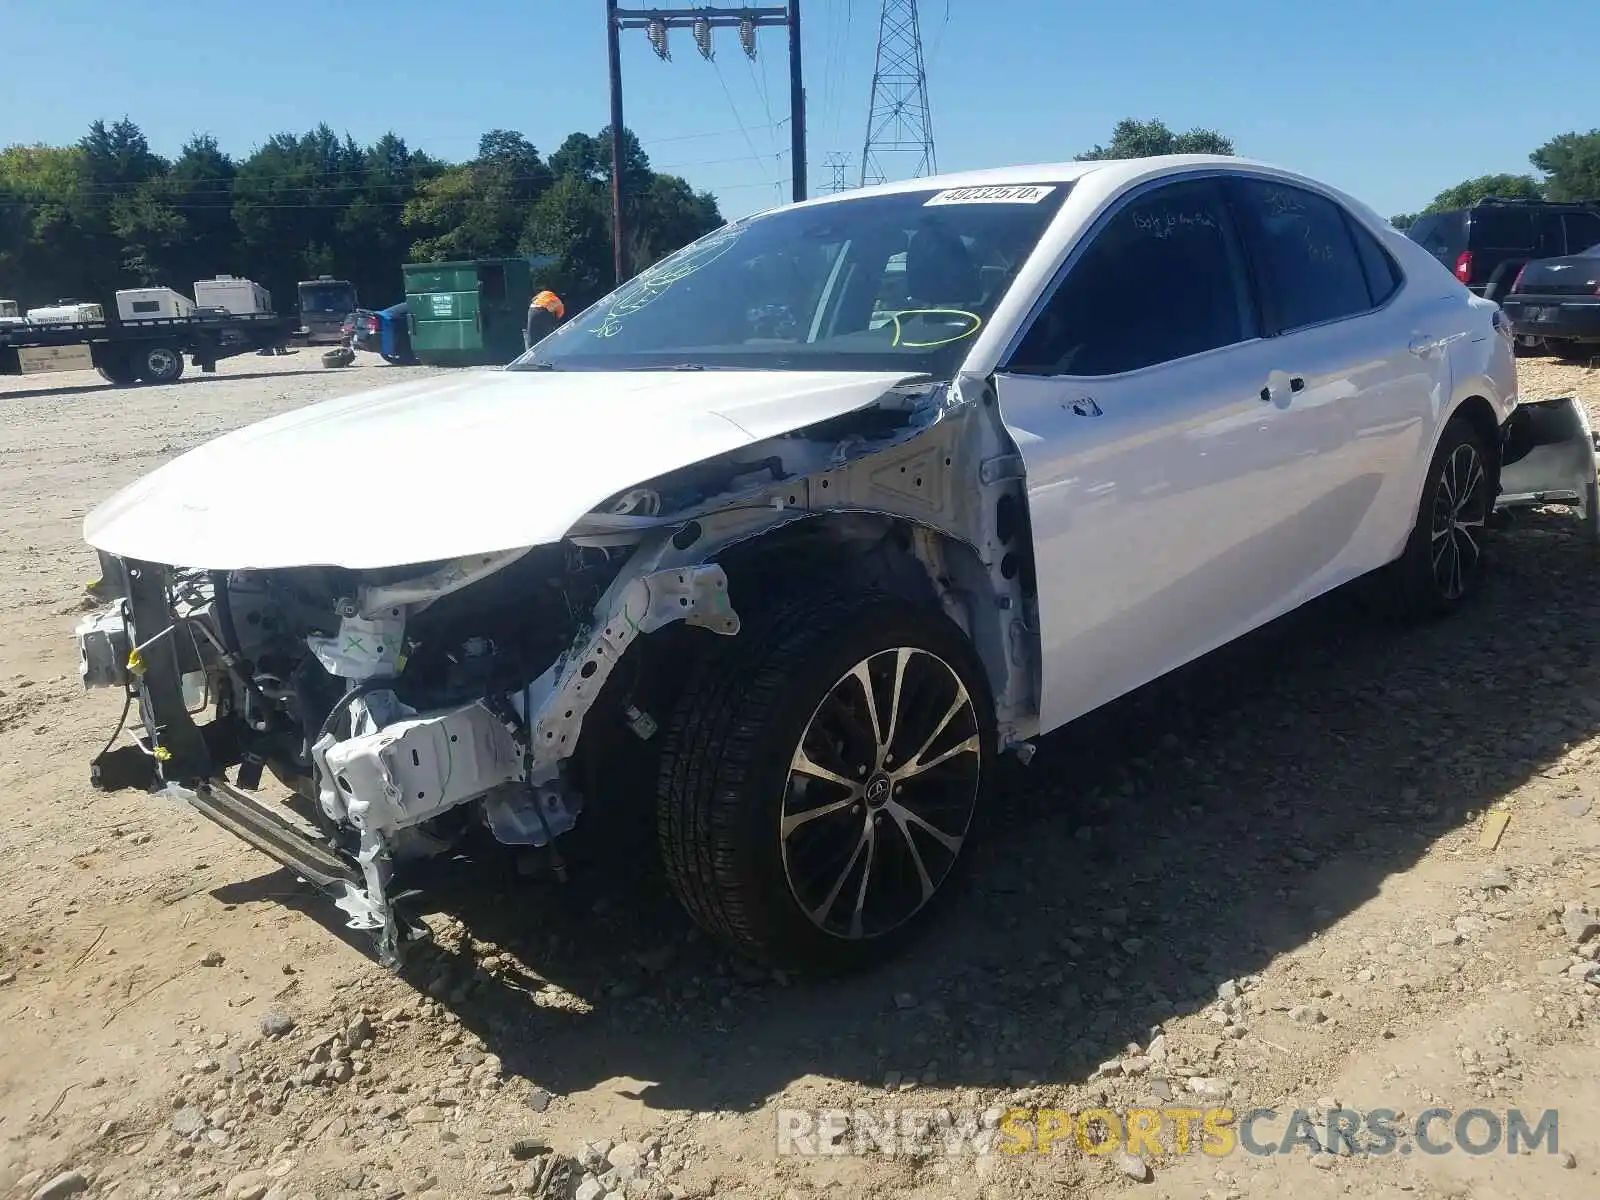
571 221
1403 221
43 254
117 170
288 199
479 209
1140 139
109 212
1571 165
1464 195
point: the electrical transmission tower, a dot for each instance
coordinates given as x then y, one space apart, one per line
838 164
899 124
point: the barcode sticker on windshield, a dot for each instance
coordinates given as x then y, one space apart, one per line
1020 193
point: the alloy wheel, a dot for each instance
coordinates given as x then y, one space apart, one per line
1460 511
881 793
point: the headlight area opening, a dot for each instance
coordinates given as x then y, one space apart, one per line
485 716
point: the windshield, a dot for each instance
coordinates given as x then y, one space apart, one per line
327 298
889 282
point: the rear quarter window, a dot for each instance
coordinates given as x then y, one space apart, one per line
1382 273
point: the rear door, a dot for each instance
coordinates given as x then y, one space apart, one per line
1371 363
1161 472
1497 235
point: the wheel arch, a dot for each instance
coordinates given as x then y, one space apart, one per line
921 563
1487 424
1475 409
917 561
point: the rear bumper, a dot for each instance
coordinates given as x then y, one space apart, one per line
1549 455
1571 317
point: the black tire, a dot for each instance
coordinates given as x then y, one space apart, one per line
1421 584
118 370
727 780
159 363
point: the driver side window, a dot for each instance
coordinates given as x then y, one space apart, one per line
1162 279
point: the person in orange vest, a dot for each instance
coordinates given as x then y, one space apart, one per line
545 312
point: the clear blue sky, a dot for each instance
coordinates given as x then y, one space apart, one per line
1392 101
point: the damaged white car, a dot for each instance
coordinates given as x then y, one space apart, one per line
799 529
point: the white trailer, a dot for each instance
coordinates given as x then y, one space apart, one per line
67 312
147 303
242 297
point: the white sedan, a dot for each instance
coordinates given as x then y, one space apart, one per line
780 544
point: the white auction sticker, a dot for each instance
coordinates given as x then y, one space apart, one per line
1017 193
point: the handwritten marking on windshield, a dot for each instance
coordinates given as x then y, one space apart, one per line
658 280
899 339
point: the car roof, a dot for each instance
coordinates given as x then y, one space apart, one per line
1108 173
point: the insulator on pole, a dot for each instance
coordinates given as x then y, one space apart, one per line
656 31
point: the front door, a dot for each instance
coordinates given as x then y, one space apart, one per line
1161 467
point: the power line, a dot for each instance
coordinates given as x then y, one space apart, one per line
734 108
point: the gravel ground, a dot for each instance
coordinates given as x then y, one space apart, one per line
1261 882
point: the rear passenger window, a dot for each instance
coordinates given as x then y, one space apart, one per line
1501 228
1583 231
1308 264
1161 280
1383 277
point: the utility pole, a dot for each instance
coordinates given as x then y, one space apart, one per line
797 107
619 237
701 21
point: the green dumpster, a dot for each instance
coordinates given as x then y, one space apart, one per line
468 313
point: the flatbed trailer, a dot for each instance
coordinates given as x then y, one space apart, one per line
142 351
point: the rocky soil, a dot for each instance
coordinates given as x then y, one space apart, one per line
1263 882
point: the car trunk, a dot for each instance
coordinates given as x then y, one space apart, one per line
1573 275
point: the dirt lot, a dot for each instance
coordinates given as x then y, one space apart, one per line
1258 884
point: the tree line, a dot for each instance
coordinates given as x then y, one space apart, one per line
84 220
106 213
1568 166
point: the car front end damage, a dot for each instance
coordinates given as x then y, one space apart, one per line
405 709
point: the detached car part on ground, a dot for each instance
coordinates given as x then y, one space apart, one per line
790 536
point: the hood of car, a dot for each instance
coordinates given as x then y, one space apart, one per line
451 465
